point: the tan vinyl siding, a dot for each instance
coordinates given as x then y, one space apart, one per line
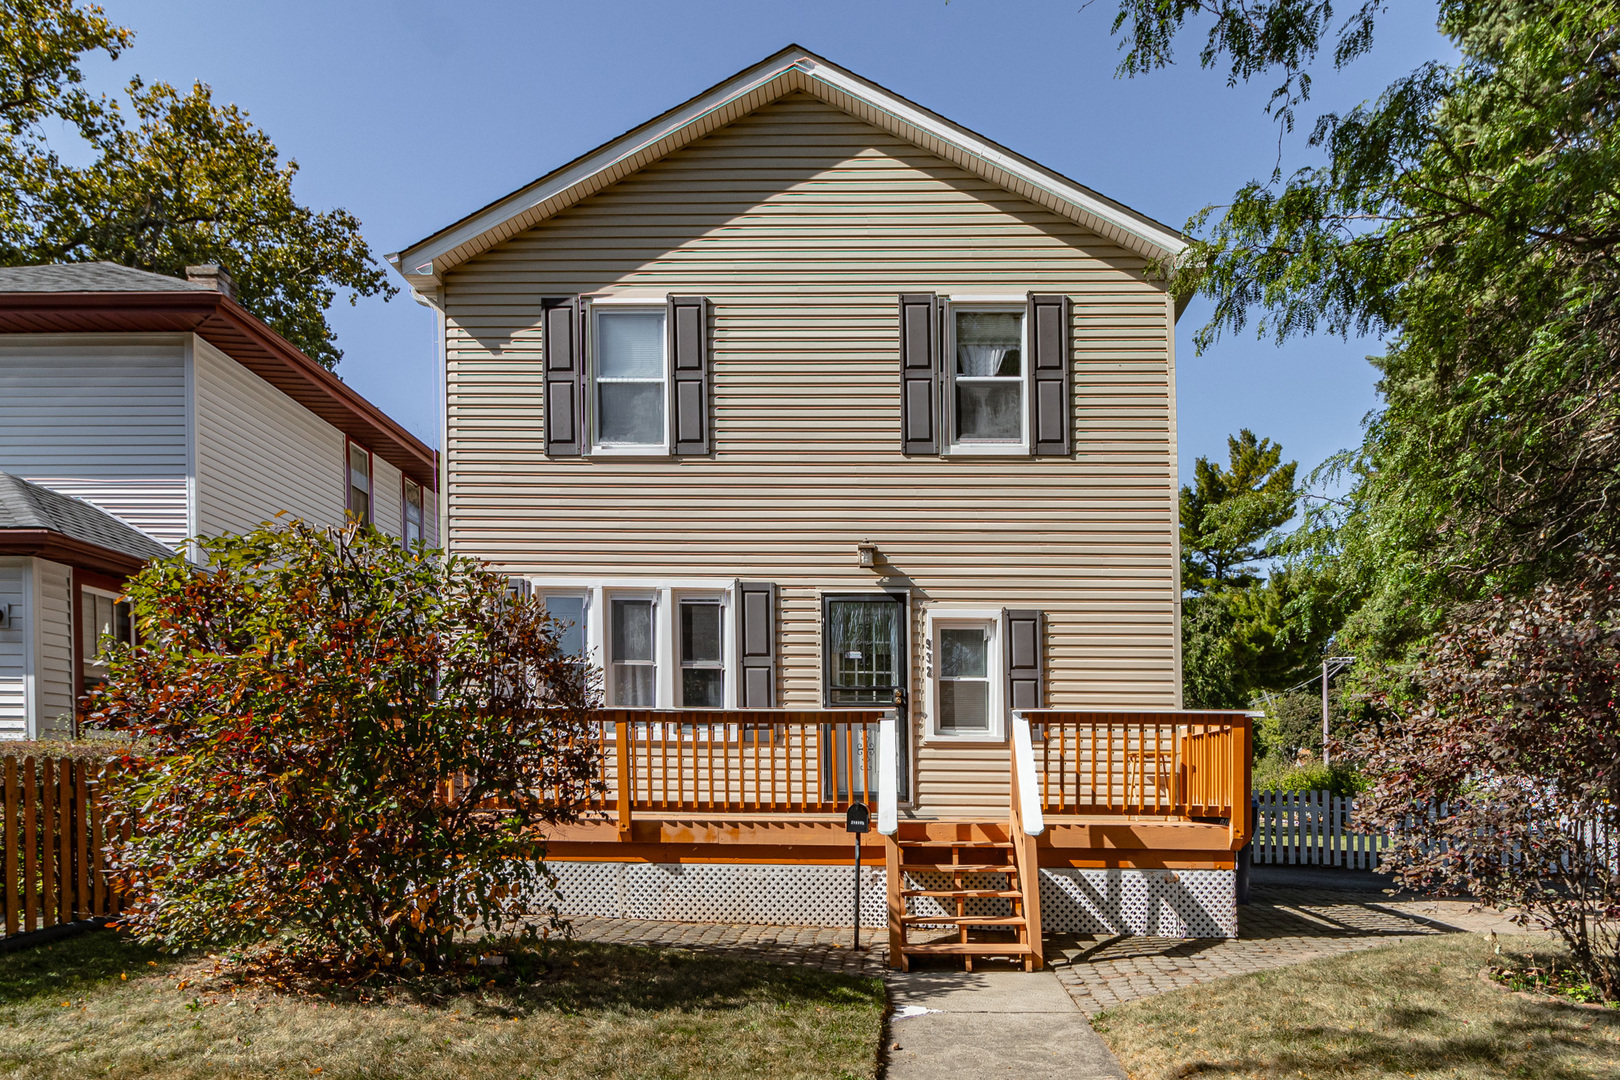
259 452
54 664
100 420
13 654
803 225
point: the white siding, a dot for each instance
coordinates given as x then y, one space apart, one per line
387 497
102 420
259 452
13 658
53 665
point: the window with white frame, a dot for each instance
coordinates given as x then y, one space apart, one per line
632 653
359 502
103 620
568 609
630 371
413 533
987 378
703 654
965 680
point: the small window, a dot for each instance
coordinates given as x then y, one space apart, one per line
633 678
987 380
360 484
412 534
103 620
568 610
964 680
631 368
703 669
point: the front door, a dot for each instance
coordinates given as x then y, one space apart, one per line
865 662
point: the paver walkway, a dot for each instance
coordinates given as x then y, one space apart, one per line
1281 925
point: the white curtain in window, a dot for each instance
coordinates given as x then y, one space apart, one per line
980 360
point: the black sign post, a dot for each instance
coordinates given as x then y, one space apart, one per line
857 820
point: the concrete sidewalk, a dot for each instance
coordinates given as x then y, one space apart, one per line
988 1024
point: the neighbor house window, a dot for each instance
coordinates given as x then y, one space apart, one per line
630 368
703 667
632 667
360 484
987 378
413 533
103 620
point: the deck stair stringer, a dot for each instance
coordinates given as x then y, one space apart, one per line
967 888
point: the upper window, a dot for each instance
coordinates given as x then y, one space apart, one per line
360 484
103 620
987 379
413 533
631 368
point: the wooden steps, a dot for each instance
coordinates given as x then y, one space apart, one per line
964 852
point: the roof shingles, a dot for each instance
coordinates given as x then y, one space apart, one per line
26 505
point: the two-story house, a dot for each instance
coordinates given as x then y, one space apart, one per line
844 439
137 410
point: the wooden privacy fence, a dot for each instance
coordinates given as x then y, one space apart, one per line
52 838
1182 764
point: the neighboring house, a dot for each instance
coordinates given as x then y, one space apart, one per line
800 397
169 406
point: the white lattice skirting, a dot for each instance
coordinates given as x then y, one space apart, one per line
1162 903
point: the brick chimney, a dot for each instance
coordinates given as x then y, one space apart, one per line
214 277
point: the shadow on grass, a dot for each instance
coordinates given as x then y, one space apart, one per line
567 978
74 967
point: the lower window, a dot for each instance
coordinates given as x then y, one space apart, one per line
103 620
633 666
964 676
703 668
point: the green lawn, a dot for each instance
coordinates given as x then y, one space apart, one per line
1417 1009
99 1006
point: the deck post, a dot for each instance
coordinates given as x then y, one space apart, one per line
896 882
1240 781
626 778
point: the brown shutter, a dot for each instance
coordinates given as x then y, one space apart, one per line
756 644
689 350
919 373
560 325
1051 408
1023 632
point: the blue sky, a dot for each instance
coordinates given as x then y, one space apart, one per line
411 114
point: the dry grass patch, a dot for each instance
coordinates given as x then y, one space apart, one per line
1417 1009
98 1005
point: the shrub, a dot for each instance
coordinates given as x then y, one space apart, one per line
1275 774
1513 729
326 724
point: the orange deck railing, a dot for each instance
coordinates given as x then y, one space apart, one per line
1160 764
737 761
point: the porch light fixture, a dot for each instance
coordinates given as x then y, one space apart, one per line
867 555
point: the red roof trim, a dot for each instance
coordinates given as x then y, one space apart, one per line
238 333
59 547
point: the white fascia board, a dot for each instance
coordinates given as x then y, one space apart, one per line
418 260
1140 228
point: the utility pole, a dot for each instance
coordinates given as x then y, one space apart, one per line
1331 665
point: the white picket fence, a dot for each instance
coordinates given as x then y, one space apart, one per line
1311 828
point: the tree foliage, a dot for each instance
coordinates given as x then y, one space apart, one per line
178 180
1512 730
1471 214
1230 516
327 724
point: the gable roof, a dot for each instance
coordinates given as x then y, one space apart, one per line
106 298
793 69
35 520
